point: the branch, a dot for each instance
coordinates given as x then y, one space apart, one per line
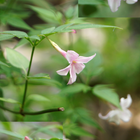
33 113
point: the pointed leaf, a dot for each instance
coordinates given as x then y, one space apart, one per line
1 63
12 134
18 34
47 31
37 97
49 82
17 22
17 59
106 93
81 132
39 76
84 26
5 37
9 101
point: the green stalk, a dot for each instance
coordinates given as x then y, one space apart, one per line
26 82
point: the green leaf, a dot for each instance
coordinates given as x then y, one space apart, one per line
91 2
84 117
50 15
47 31
5 36
18 34
37 97
35 37
39 76
62 27
23 41
76 88
81 132
1 63
17 59
9 101
49 82
106 93
84 26
17 22
12 134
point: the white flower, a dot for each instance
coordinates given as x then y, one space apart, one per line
119 114
114 4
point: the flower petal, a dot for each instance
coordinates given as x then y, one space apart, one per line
64 71
125 103
112 116
114 4
71 55
131 1
58 48
125 115
78 67
82 59
72 75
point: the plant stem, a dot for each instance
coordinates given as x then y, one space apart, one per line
33 113
26 82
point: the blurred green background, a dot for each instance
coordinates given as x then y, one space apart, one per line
100 8
117 62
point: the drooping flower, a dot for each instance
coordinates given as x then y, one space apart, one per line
26 138
114 4
75 61
117 115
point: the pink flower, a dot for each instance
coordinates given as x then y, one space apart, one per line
76 65
114 4
75 61
26 138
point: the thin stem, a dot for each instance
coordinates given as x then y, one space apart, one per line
70 41
26 82
33 113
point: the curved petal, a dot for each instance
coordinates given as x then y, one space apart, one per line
78 67
125 115
114 4
131 1
112 116
64 71
72 75
71 56
82 59
125 103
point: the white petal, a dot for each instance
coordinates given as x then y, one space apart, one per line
64 71
112 116
78 67
82 59
125 103
125 115
131 1
71 55
114 4
72 75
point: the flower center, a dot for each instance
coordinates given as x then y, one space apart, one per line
74 61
